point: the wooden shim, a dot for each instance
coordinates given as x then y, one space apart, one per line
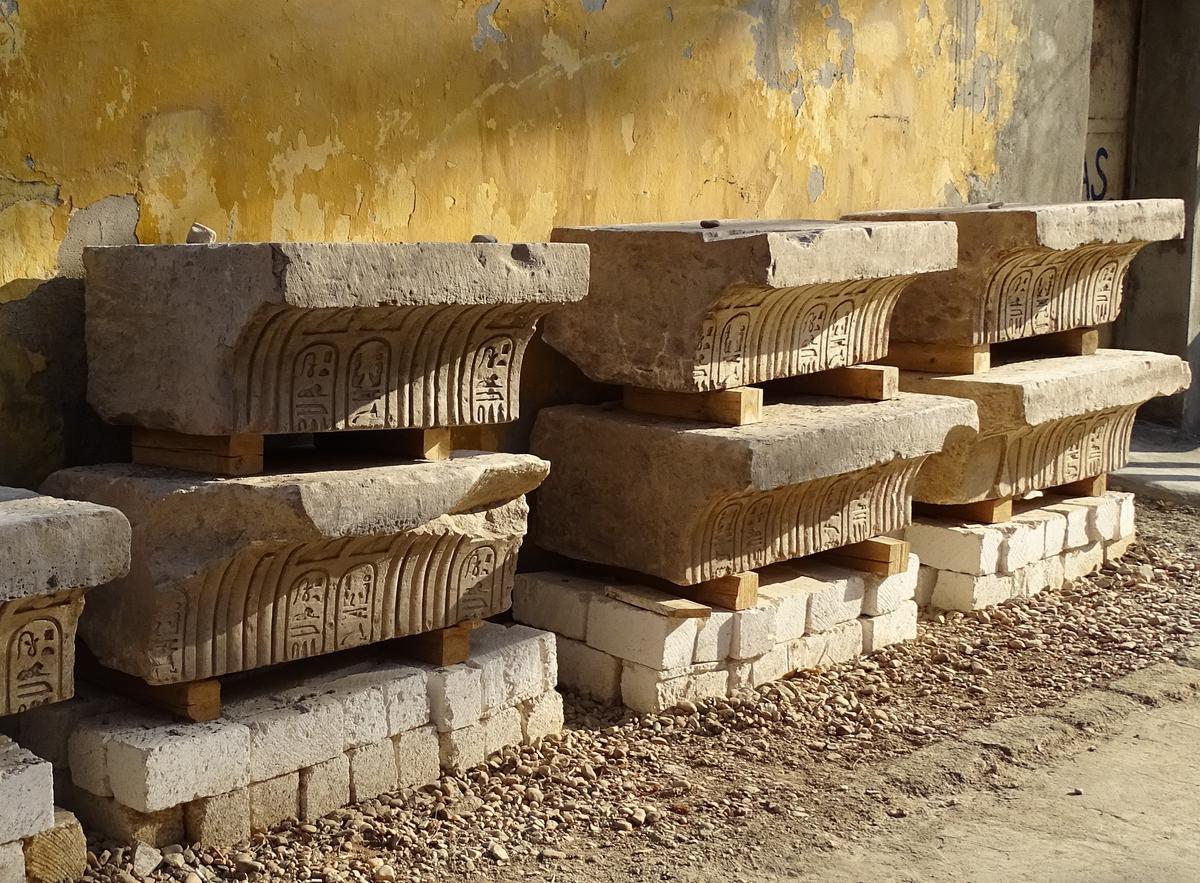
884 556
448 646
1086 487
427 444
738 591
657 601
1076 342
59 853
731 407
941 358
876 383
231 455
196 701
995 511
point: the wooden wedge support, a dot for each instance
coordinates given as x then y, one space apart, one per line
995 511
940 358
731 407
1076 342
657 601
884 556
1086 487
738 591
875 383
231 455
426 444
448 646
196 701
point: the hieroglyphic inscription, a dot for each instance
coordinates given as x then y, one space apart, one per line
277 605
384 367
752 530
755 334
1066 450
37 637
1036 291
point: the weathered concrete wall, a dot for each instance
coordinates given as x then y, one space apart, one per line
360 120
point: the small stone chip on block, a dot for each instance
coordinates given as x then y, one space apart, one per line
26 792
885 629
418 757
543 716
221 820
324 787
592 673
274 800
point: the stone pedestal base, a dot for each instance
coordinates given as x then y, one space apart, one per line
294 745
1049 541
807 615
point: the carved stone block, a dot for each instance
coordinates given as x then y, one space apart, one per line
1043 422
292 337
689 308
51 552
1025 270
233 574
691 502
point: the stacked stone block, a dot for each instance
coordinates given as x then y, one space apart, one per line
294 746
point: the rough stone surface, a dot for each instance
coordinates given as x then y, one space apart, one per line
835 594
963 591
823 649
1025 270
710 501
889 628
288 735
45 730
455 696
324 787
510 662
303 540
557 602
372 770
883 594
714 634
543 716
681 307
274 800
592 673
221 820
504 727
646 689
303 337
26 792
463 748
119 822
417 757
754 630
640 636
12 863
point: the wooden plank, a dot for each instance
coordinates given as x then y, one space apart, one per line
739 591
885 556
448 646
657 601
1086 487
58 853
876 383
881 568
941 358
197 701
995 511
232 455
427 444
1076 342
730 407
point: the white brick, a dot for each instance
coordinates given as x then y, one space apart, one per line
502 729
1076 533
418 756
890 628
926 579
372 770
455 696
714 637
1117 548
288 736
771 666
510 662
406 694
645 689
1081 562
835 594
883 594
791 603
543 716
364 709
1125 513
324 787
150 770
1105 521
87 746
26 792
12 863
963 548
274 800
1024 541
557 602
963 591
1052 525
588 672
824 649
44 730
463 748
754 630
640 636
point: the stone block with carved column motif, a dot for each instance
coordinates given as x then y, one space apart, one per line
264 338
690 502
697 307
234 574
1043 422
51 552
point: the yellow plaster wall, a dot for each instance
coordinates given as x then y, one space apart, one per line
409 119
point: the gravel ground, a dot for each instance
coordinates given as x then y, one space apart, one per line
737 783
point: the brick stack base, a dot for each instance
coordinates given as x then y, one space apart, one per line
294 749
1049 541
31 827
808 615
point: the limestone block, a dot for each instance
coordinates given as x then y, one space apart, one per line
324 787
557 602
44 730
1042 422
789 600
835 594
1075 532
771 666
87 745
1051 526
1080 562
12 863
687 308
107 816
543 716
1125 513
1025 270
1038 576
824 649
1116 550
377 703
510 663
964 591
883 594
274 800
754 630
463 748
946 545
373 770
1104 516
310 562
305 337
926 580
221 820
26 792
455 696
640 636
593 674
418 757
709 501
890 628
714 634
504 728
741 675
646 689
